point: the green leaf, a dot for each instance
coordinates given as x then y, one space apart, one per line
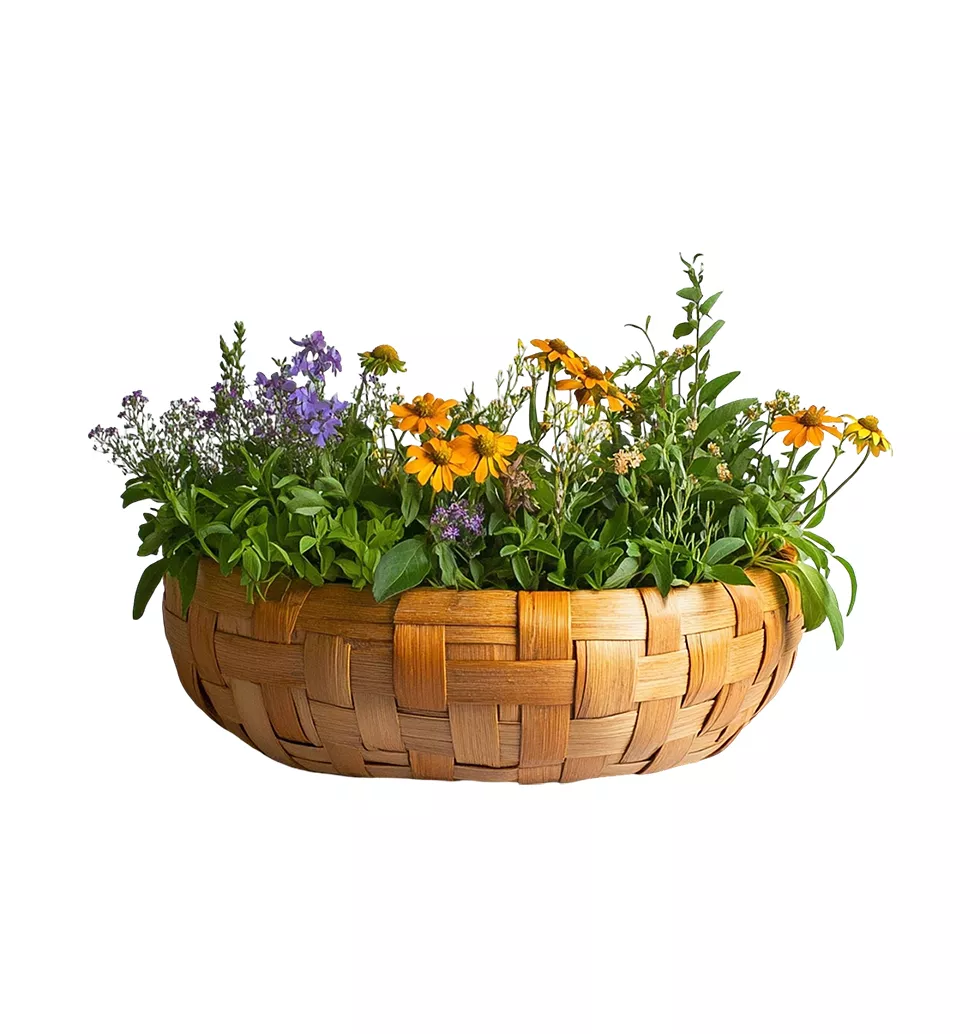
242 512
683 329
522 571
355 481
730 574
716 386
736 520
708 303
854 582
541 546
691 294
136 493
509 550
448 568
213 529
187 579
721 548
829 600
710 332
411 500
662 573
625 569
149 580
251 564
275 548
615 528
819 539
717 418
403 567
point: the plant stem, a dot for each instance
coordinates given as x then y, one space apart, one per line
864 460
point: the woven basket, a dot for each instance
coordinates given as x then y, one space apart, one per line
526 687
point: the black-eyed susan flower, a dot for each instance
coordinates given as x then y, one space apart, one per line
866 434
485 450
551 350
424 413
381 360
807 425
438 462
592 384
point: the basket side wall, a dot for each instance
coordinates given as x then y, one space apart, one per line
498 686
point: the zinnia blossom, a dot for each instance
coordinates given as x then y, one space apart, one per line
438 462
424 413
485 450
866 434
808 425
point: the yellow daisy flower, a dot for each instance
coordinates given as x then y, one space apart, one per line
424 413
866 434
485 450
438 462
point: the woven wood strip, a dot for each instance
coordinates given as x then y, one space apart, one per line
544 639
523 687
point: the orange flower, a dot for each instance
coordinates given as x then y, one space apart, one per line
438 462
485 450
805 426
424 413
591 384
553 350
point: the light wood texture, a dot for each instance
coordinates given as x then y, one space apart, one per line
515 687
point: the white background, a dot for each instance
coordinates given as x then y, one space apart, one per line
446 178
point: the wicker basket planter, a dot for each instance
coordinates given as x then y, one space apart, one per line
524 687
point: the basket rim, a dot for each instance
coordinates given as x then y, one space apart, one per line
763 578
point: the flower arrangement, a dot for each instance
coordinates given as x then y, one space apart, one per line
574 476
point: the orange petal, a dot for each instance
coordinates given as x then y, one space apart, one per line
814 435
506 443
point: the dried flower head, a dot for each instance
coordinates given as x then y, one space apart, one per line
517 488
724 474
626 460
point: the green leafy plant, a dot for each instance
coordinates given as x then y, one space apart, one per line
574 476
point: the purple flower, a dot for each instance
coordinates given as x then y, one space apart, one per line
459 521
315 358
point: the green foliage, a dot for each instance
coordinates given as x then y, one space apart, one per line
643 479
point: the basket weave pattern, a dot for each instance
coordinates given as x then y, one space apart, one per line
499 686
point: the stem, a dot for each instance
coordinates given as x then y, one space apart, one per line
822 481
643 331
843 483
